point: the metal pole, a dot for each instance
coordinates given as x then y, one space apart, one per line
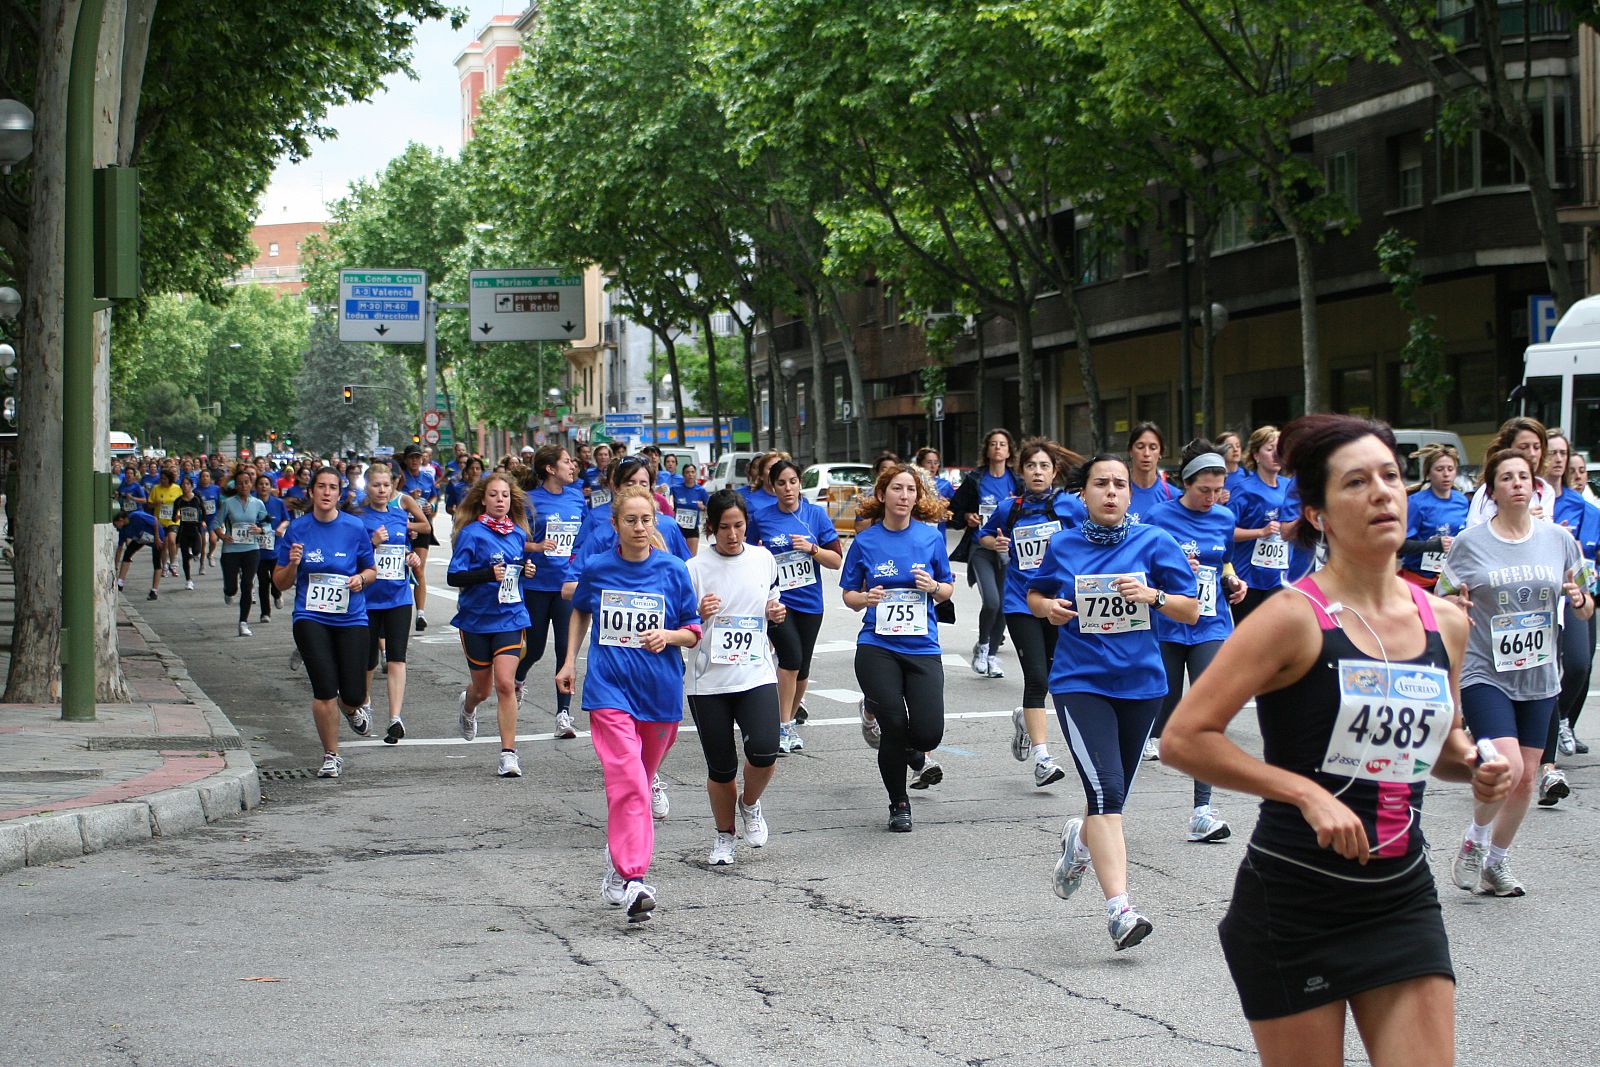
430 358
1185 339
77 379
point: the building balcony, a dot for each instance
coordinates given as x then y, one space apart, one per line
1578 203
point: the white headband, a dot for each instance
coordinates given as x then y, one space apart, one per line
1204 461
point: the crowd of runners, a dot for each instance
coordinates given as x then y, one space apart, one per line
1384 633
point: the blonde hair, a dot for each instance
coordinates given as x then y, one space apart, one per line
1260 439
633 491
1427 456
471 508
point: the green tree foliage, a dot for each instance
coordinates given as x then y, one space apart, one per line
173 419
696 372
1422 357
383 408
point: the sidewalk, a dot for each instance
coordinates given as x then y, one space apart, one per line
163 764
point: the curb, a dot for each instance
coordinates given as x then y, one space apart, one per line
39 839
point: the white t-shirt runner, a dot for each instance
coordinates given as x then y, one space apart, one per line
745 583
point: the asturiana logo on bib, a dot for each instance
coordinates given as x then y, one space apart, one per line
887 569
1417 687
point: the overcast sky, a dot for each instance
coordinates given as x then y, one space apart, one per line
427 110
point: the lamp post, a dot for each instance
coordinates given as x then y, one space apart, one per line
16 136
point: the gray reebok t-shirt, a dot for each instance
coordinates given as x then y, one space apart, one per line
1517 606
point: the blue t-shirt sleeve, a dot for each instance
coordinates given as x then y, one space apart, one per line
684 605
997 519
1170 570
1047 579
854 573
366 556
823 531
583 599
461 553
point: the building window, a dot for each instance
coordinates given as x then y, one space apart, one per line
1136 240
272 248
1477 161
1341 178
1405 163
1355 392
1094 247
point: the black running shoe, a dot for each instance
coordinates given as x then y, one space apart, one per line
801 714
396 731
422 624
900 817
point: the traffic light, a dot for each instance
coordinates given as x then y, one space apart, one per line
416 438
349 394
272 435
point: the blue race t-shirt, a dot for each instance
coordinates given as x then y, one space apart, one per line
1035 525
992 490
689 508
478 607
1206 537
1581 519
340 547
392 589
210 498
556 517
1255 503
880 556
142 529
277 511
1427 517
1142 502
1124 665
773 528
624 597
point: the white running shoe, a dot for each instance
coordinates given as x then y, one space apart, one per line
244 630
1128 928
1071 868
980 661
660 803
361 720
1020 742
1553 787
1467 867
227 598
1152 748
190 586
295 659
1046 771
565 728
930 774
612 887
754 823
510 766
871 732
467 722
789 739
1208 826
722 850
520 687
641 901
1500 882
1567 743
995 670
332 764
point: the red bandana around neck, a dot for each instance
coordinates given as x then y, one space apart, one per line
499 526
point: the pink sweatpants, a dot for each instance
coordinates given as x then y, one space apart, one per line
630 752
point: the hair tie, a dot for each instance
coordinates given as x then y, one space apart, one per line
1203 461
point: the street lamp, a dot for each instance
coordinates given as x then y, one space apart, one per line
16 134
10 302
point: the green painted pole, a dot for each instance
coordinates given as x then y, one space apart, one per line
77 379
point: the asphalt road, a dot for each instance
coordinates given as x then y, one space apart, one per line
421 910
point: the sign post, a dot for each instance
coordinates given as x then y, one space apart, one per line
525 304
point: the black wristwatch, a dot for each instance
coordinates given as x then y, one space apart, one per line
1161 599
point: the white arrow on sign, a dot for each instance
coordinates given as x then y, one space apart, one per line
525 304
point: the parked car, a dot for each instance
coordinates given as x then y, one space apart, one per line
685 455
730 471
1411 440
835 487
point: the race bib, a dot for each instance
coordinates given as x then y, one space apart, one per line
211 507
1523 640
1207 579
511 584
795 569
188 514
328 594
564 534
902 613
165 512
391 562
738 639
1432 562
688 518
1103 610
624 616
1031 541
266 539
1392 721
1271 553
984 511
599 498
129 505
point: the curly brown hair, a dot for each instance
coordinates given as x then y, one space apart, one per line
930 506
470 508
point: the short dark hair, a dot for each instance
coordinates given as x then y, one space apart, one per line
1143 428
1078 477
719 503
1199 447
1306 445
777 467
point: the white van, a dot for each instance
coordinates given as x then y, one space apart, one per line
730 471
1561 381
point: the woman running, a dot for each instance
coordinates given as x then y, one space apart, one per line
164 495
597 480
896 571
1101 582
802 538
1022 528
1204 531
992 482
640 603
1334 903
1578 477
191 531
1147 484
277 523
731 684
140 529
886 461
390 528
1529 437
326 556
1261 541
488 561
457 490
1582 520
417 482
241 520
1231 449
689 505
1435 512
928 461
210 499
1512 573
558 509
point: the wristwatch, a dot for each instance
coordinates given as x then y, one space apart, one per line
1161 599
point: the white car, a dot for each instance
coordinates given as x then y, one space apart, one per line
730 471
835 488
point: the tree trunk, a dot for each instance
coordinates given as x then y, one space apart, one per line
1091 381
1305 275
1211 424
34 676
1027 395
781 440
1533 165
747 332
677 383
823 412
852 364
711 387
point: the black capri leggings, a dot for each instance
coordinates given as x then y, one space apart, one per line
155 555
1175 658
793 640
238 575
190 545
335 659
1036 648
264 571
906 695
754 712
393 627
546 612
